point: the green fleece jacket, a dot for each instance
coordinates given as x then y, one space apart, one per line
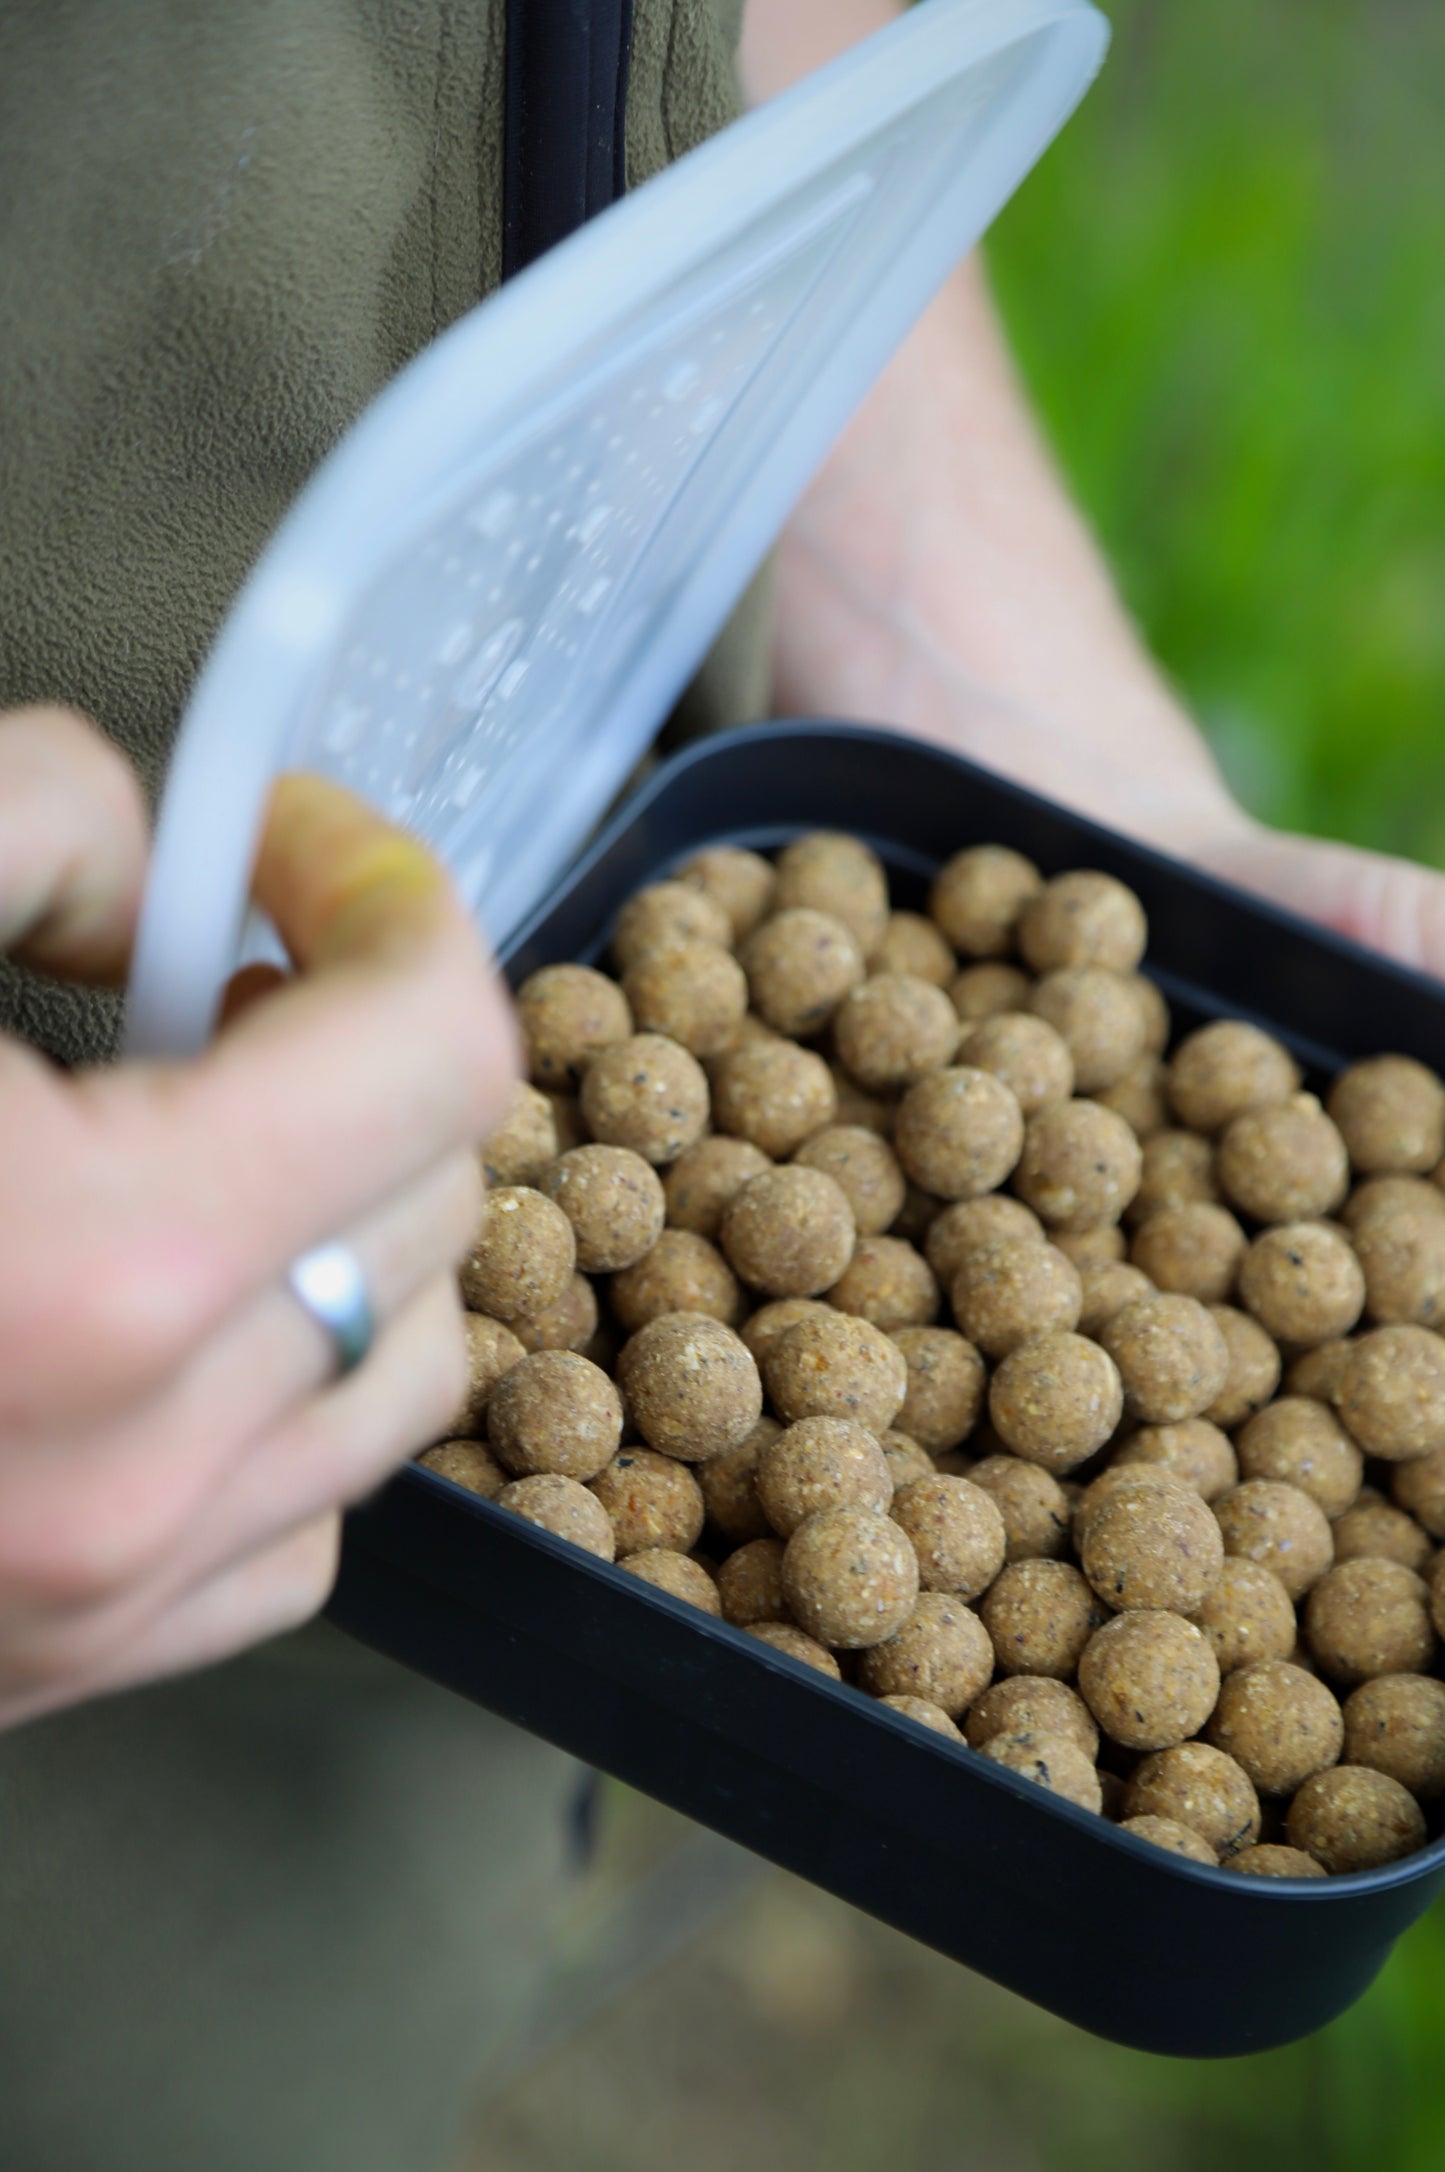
224 224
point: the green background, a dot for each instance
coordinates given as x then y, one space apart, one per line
1226 285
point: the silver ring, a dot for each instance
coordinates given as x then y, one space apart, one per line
329 1284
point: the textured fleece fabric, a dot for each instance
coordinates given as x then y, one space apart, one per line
224 224
271 1918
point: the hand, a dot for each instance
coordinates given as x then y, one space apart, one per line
937 578
173 1448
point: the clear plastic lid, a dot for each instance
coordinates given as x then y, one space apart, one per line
488 597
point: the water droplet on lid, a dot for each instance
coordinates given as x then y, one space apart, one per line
681 379
479 677
490 517
344 731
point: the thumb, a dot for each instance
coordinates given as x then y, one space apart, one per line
1388 905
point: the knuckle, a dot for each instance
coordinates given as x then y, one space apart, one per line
135 1317
141 1271
63 1576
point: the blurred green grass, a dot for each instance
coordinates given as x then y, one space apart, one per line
1226 288
1226 285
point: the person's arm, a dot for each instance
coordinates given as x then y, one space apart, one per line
937 561
173 1447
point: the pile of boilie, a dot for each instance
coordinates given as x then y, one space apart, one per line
900 1289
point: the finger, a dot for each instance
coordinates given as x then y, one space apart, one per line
194 1185
86 1514
394 1045
334 1451
275 1590
341 884
72 845
345 1442
266 1369
1388 905
404 1247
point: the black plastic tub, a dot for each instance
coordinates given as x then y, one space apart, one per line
1134 1944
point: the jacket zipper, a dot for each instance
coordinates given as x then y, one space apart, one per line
565 155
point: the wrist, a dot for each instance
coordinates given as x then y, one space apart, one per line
848 654
937 577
